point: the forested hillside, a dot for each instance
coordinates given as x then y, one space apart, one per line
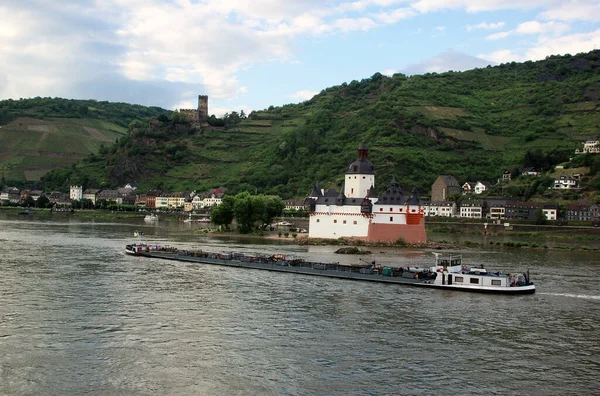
41 134
472 124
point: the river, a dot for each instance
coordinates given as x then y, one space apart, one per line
78 316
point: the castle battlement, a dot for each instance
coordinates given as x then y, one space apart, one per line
200 114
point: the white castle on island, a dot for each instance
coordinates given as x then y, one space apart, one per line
356 212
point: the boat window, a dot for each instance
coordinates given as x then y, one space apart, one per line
496 282
458 279
474 280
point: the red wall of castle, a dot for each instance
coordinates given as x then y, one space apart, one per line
391 232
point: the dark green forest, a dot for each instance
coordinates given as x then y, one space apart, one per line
473 125
117 113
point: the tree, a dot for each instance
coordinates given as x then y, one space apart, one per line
42 202
29 201
223 213
273 207
540 217
245 212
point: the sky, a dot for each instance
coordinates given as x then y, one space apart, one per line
251 54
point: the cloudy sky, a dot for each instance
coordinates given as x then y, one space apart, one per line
250 54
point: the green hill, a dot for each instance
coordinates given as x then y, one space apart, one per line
41 134
472 124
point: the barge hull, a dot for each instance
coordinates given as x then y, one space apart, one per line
274 267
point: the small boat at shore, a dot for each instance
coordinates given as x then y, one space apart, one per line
151 217
448 272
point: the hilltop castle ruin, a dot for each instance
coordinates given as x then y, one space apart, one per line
200 115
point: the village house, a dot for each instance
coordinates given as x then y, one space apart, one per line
481 187
75 193
34 194
443 187
295 204
90 193
468 187
141 200
530 172
506 176
175 200
527 210
565 182
591 146
59 198
162 200
440 208
496 209
582 212
109 196
472 209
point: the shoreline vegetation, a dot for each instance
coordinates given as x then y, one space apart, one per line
493 237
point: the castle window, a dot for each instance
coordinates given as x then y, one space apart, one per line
391 209
318 220
381 209
364 177
355 222
391 218
352 191
344 221
335 221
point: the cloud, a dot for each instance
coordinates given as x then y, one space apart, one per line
533 27
393 16
449 60
165 52
574 10
499 35
547 45
303 95
500 56
485 25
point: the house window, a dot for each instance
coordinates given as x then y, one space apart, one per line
474 280
355 222
391 218
391 209
364 177
496 282
381 209
318 220
458 279
335 221
344 221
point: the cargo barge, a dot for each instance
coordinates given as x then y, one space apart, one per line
448 272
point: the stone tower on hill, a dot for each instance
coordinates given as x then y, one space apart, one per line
200 115
203 108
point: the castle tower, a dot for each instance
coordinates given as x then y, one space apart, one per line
76 192
203 108
360 176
